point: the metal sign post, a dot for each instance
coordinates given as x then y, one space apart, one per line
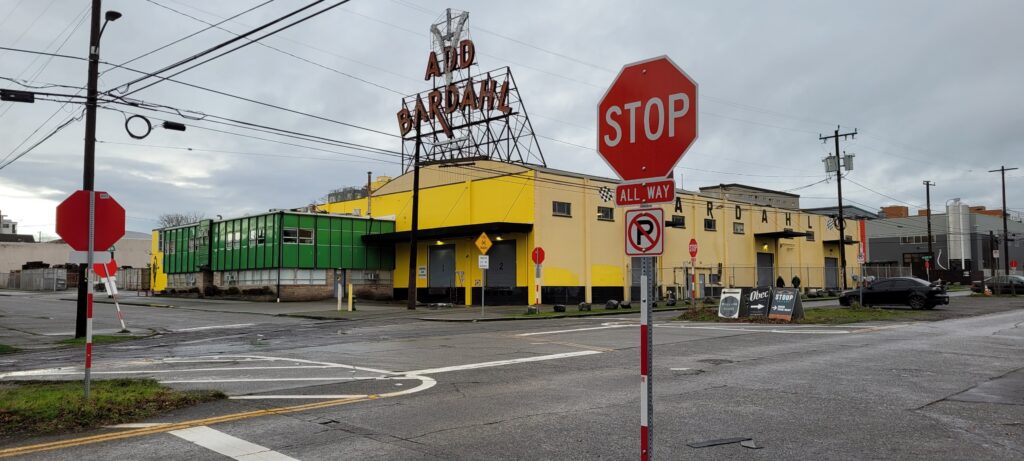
89 295
484 262
646 358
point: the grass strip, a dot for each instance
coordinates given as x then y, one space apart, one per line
829 316
5 349
43 407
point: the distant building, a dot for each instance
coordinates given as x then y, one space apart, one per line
7 226
964 238
849 212
9 232
753 195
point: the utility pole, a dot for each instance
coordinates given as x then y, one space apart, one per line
411 302
839 187
89 168
369 191
1006 234
928 197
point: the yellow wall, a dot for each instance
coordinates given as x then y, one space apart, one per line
157 264
583 251
456 197
466 199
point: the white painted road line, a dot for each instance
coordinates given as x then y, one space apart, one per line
498 363
213 327
554 332
256 380
230 446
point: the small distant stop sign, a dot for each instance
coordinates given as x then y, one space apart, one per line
537 255
108 269
73 221
693 248
647 119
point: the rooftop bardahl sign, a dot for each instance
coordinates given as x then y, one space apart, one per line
487 96
465 115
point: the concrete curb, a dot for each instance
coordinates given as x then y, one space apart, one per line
125 303
564 316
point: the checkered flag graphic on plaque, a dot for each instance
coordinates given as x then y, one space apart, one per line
606 193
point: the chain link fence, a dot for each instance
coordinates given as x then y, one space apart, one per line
711 280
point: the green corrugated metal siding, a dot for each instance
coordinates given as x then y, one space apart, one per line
255 243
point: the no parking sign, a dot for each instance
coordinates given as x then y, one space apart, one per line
645 230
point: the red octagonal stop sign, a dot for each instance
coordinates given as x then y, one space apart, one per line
647 119
73 221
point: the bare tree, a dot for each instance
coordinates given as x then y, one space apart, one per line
180 219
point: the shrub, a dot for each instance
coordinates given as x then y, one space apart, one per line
233 291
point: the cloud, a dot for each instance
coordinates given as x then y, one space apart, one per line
934 91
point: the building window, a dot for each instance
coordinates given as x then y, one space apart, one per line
290 235
305 236
710 225
160 242
810 236
605 213
171 247
561 208
192 244
678 221
737 228
261 237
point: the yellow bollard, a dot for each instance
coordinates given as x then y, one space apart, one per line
351 306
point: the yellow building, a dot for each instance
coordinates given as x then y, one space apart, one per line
524 206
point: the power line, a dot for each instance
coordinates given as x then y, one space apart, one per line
218 46
48 136
210 26
322 66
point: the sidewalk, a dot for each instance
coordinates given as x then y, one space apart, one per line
328 310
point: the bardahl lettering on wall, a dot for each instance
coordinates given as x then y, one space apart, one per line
711 207
789 219
679 204
739 213
764 216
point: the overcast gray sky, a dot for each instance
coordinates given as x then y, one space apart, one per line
934 88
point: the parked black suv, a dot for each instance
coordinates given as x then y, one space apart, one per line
906 291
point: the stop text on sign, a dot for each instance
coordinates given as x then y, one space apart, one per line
646 192
647 119
657 113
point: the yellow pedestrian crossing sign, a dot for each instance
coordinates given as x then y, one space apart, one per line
483 243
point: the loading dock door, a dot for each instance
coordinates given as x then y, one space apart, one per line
502 273
832 273
441 266
765 270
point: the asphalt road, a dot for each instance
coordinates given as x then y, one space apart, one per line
553 389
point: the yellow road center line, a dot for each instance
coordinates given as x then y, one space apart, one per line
175 426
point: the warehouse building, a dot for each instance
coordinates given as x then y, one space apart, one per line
967 242
573 218
294 255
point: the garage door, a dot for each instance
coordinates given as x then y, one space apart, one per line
502 273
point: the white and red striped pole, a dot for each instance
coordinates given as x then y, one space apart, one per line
89 293
113 294
693 280
646 361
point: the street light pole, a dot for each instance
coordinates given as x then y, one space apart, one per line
89 167
931 253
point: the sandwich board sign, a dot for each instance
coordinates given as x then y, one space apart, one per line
730 304
786 305
759 301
